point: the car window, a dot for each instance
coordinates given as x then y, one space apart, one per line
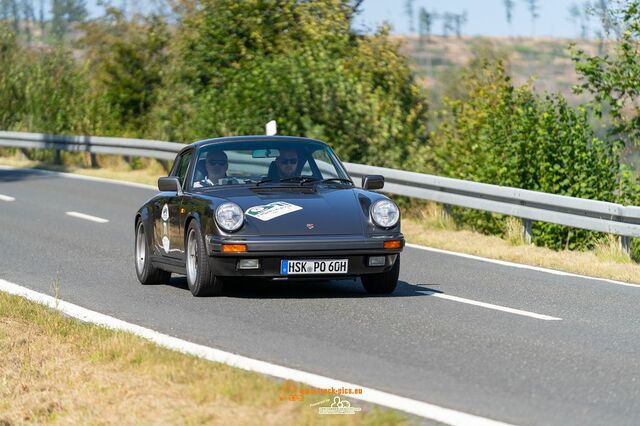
325 164
181 168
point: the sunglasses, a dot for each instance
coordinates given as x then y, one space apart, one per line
217 163
289 160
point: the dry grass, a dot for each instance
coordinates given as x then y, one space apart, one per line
513 231
112 167
546 59
606 261
61 371
611 250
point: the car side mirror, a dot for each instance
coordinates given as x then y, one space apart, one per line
169 184
373 182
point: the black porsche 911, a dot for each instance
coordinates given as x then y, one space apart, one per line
273 207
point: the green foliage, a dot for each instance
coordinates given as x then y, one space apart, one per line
510 136
240 64
39 91
64 13
125 59
615 80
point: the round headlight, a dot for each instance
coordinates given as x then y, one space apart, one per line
229 216
385 213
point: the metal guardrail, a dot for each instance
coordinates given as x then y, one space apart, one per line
528 205
93 144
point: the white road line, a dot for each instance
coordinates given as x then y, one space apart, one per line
87 217
519 265
6 198
490 306
418 408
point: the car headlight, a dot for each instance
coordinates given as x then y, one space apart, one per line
385 213
229 216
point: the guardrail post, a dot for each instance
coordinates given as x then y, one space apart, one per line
526 230
57 158
446 211
625 244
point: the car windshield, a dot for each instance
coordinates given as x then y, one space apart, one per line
268 162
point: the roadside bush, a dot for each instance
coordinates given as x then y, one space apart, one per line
510 136
125 59
40 91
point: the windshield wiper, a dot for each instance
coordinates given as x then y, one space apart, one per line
300 179
263 181
337 180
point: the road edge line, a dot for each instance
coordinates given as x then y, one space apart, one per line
415 407
519 265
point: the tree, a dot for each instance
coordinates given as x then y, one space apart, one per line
509 6
447 23
585 18
425 21
29 17
126 58
41 17
408 9
614 79
575 14
533 11
236 65
459 19
580 15
64 13
606 16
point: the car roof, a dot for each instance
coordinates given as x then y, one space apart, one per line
233 139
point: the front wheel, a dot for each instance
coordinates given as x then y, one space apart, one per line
384 282
146 272
200 276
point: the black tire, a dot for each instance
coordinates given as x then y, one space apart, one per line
146 272
384 282
200 276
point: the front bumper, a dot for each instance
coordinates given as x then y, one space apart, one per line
270 251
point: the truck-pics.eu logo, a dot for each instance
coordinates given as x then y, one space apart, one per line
339 406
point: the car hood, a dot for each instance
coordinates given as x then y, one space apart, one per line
286 212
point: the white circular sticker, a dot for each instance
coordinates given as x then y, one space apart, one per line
165 212
165 243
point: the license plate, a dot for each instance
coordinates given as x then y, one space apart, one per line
296 267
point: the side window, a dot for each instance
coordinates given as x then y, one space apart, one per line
181 167
326 166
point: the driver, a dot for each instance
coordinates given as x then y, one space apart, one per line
217 165
287 163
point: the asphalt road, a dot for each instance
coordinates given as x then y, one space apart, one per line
582 368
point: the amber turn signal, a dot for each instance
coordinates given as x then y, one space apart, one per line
393 244
234 248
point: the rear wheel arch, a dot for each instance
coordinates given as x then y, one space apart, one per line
143 216
145 270
190 219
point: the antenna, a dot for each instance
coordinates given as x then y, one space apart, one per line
272 128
